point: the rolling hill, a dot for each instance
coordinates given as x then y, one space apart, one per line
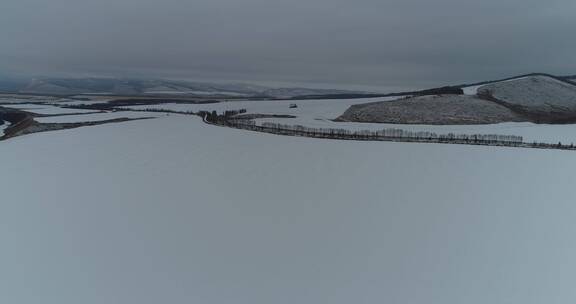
538 98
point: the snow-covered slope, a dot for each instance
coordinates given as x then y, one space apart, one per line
435 110
535 98
535 93
172 210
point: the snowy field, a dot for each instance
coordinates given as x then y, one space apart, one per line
313 109
39 99
320 113
171 210
97 117
313 113
46 109
71 102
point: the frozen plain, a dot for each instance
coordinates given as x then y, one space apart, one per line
320 113
171 210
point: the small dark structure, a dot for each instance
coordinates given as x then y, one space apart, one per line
293 106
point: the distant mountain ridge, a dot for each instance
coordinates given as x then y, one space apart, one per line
154 88
188 89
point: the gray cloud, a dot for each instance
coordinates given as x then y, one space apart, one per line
393 43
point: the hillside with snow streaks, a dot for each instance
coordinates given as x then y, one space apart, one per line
536 93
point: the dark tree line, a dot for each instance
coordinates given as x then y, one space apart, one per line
389 133
224 118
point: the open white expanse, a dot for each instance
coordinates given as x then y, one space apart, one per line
97 117
47 109
320 113
311 109
312 113
171 210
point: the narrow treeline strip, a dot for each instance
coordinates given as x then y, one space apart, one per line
397 135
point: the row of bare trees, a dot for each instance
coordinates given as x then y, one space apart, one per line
390 133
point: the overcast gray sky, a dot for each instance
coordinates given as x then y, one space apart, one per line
377 43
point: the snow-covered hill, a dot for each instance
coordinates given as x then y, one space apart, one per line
434 110
539 93
536 98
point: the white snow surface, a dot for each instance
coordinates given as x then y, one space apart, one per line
320 113
97 117
313 109
3 127
171 210
473 90
46 109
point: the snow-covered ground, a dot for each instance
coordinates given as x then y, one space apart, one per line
171 210
46 109
320 113
473 90
313 109
72 102
97 117
529 131
3 127
313 113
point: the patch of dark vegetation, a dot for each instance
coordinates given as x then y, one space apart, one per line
36 127
67 114
337 96
214 116
22 122
14 117
156 110
453 90
118 103
143 101
19 121
256 116
440 91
